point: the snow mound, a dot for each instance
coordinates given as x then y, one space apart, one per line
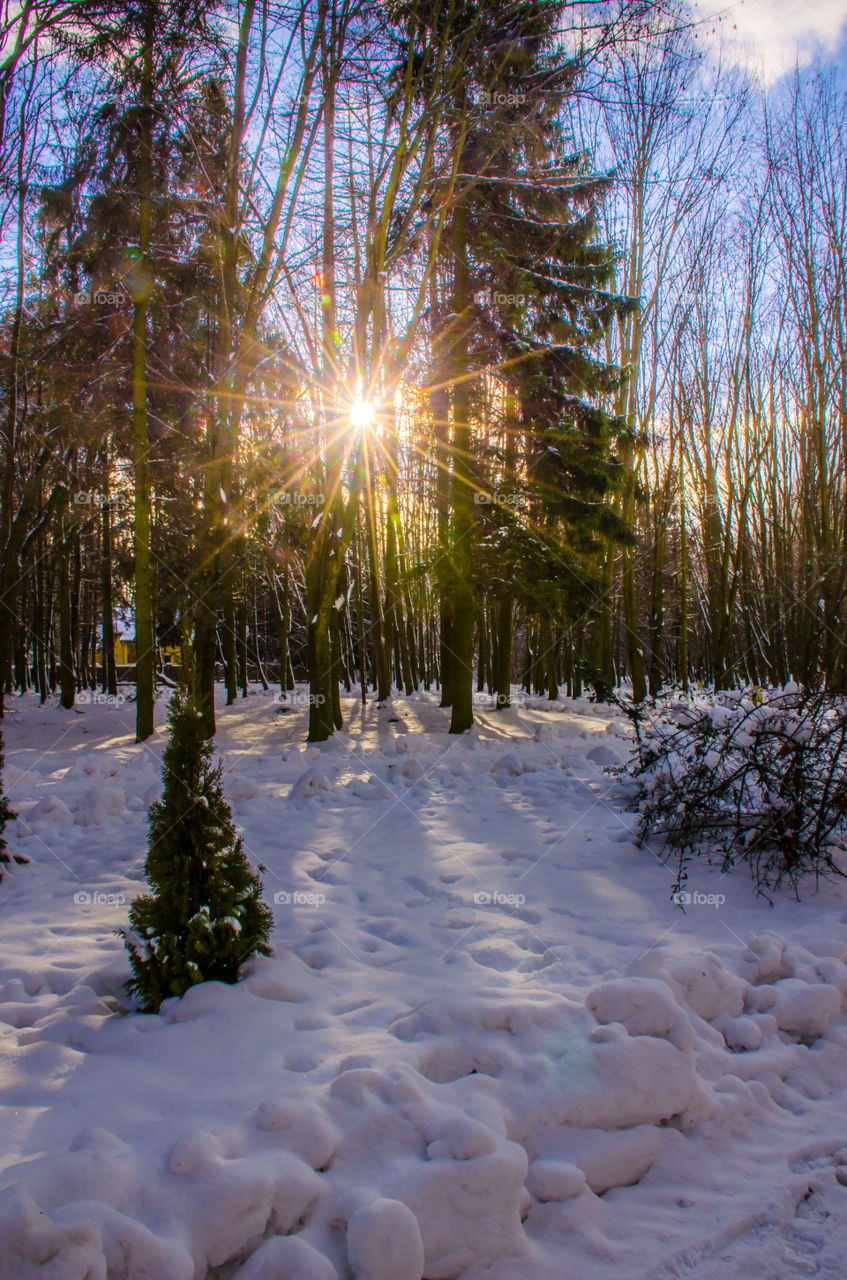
799 1008
384 1242
372 788
613 1159
309 785
614 1080
51 809
645 1007
284 978
240 788
405 773
194 1151
100 804
304 1128
468 1211
620 1084
555 1180
85 1240
512 765
287 1258
462 1138
706 986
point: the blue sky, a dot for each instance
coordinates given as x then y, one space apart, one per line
774 34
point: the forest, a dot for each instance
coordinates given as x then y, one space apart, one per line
423 665
417 347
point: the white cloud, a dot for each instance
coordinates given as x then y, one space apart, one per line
774 34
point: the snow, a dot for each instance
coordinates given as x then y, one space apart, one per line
798 1008
488 1045
310 784
287 1258
384 1242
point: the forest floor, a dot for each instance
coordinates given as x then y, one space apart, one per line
483 1006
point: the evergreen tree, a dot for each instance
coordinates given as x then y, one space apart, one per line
205 916
129 209
539 322
527 297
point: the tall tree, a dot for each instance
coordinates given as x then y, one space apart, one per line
529 293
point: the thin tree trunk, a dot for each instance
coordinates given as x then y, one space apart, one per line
683 590
67 678
241 648
462 632
145 655
230 640
109 674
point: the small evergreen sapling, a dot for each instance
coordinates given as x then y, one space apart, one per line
205 916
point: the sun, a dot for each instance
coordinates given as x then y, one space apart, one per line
362 415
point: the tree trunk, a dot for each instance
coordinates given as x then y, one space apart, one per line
229 640
462 637
145 656
241 648
109 674
502 675
683 590
67 679
204 661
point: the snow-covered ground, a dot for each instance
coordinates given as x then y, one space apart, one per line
487 1044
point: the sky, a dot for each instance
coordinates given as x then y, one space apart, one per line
774 34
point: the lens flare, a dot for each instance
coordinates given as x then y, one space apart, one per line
362 415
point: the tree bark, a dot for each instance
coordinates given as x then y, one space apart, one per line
145 655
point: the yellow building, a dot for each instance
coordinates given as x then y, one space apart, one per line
125 645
